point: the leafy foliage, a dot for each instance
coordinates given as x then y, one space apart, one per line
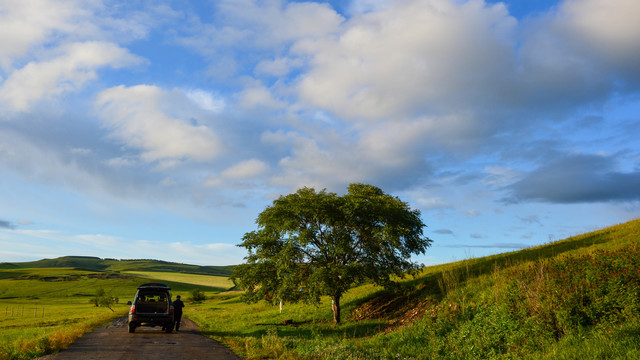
310 244
197 295
104 299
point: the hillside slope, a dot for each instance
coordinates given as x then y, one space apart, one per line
577 298
95 263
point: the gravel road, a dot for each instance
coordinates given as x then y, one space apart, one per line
114 342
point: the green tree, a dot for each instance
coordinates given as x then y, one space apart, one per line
311 244
104 299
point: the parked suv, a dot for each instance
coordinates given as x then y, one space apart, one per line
152 306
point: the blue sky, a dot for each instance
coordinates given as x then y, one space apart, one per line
161 129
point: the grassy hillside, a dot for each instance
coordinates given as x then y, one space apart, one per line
578 298
95 263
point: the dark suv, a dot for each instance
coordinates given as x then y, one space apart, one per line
152 306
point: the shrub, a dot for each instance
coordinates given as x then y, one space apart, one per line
104 299
197 295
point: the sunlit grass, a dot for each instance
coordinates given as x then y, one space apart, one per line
34 328
220 282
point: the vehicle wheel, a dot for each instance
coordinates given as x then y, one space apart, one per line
132 328
169 328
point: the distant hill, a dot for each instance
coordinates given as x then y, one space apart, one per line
95 263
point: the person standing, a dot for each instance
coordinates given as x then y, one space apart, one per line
177 311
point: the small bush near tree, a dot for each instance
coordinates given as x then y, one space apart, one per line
197 295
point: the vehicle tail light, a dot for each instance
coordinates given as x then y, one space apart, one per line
171 309
132 310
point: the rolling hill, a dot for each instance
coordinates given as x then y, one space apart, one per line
114 265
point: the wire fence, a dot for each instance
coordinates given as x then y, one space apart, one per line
23 311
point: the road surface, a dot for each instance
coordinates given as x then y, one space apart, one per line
115 342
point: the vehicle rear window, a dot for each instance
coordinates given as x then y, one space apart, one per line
152 297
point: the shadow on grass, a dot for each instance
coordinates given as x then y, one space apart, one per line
309 330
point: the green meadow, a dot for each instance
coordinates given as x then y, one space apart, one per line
578 298
220 283
43 310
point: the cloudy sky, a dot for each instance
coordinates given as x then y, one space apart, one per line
161 129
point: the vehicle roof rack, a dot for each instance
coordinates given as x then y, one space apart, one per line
154 285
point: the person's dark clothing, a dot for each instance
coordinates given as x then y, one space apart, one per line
177 312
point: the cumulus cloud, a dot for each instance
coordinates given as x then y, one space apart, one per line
264 29
25 25
413 56
577 178
137 117
74 65
277 22
608 29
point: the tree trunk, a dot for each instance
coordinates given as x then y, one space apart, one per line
335 304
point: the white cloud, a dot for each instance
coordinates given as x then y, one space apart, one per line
35 244
413 56
275 22
25 24
207 254
278 67
206 100
259 96
74 65
245 170
609 27
137 116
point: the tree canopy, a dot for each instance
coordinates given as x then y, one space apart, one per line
315 243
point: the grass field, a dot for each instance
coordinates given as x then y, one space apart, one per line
44 310
221 283
578 298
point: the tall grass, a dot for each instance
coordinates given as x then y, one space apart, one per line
27 337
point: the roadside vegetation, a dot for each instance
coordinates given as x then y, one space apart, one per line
577 298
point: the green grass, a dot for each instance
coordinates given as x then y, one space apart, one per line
578 298
43 310
573 299
113 265
221 283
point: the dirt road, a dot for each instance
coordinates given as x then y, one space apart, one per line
114 342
